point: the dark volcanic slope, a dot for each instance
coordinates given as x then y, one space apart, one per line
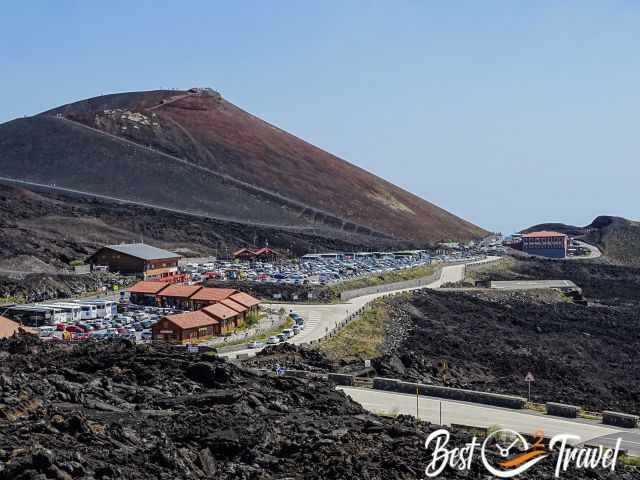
579 355
236 165
57 229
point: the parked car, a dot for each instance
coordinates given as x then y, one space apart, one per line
256 344
288 333
146 335
46 331
75 329
83 337
273 340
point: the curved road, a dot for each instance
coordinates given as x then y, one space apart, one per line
321 319
594 252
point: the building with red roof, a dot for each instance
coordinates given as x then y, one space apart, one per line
241 309
178 296
145 292
207 296
245 300
227 318
189 327
264 254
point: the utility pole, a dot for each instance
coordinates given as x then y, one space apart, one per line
417 405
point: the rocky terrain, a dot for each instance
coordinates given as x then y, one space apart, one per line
53 230
36 287
581 355
195 151
116 411
614 285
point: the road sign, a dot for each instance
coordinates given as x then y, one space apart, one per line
529 379
367 363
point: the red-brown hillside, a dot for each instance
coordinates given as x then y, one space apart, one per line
229 148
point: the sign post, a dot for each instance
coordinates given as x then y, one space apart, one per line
529 379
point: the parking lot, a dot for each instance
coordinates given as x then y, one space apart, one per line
318 269
133 322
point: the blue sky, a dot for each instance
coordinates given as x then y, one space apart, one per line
505 113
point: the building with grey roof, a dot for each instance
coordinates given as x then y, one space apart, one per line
140 259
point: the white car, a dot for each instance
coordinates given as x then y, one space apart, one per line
46 331
273 340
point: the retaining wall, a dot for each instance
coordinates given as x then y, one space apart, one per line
341 379
494 399
388 287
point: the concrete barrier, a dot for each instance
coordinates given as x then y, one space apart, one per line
486 398
388 384
619 419
562 410
341 379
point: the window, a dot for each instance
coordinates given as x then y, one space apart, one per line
202 332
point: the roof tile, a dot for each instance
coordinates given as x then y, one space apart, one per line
191 319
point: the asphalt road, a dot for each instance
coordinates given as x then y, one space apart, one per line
594 252
321 319
463 413
532 284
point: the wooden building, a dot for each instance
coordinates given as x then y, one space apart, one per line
146 293
246 300
245 255
264 254
138 259
227 318
189 327
208 296
241 309
178 296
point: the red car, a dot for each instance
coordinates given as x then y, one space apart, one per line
75 329
60 327
81 336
